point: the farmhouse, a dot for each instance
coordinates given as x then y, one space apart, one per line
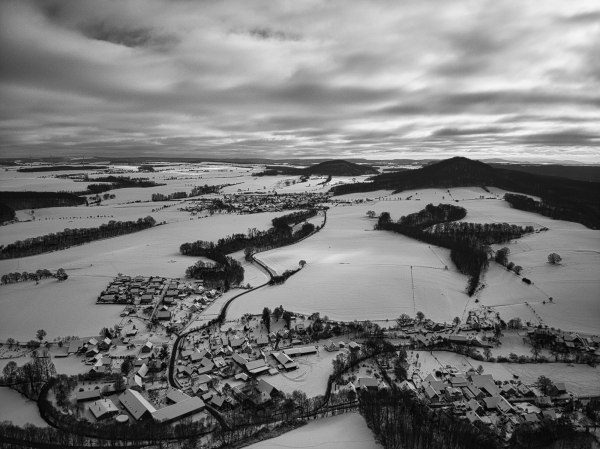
103 409
369 383
136 404
88 395
285 361
297 352
178 410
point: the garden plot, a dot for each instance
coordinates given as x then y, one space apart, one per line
15 408
347 431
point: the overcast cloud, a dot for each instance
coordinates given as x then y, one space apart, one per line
310 78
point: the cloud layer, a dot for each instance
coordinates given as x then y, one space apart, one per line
315 78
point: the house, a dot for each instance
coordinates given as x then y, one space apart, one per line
458 382
148 346
204 379
218 402
88 395
92 351
558 389
136 383
219 362
550 414
241 376
474 406
187 353
498 403
285 361
163 315
143 371
207 363
479 380
146 299
136 404
178 410
331 346
370 383
105 344
297 352
508 390
491 389
525 391
472 416
75 346
353 346
236 343
257 366
452 394
262 340
103 409
472 392
239 359
265 387
432 394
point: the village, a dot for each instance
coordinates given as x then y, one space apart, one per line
151 367
257 202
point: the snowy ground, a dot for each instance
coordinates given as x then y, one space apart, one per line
15 408
348 431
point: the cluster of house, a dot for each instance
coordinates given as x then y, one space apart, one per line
180 405
252 203
127 289
98 356
479 397
566 343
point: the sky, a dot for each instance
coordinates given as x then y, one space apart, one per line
374 79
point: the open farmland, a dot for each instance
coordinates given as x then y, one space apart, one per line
354 272
347 431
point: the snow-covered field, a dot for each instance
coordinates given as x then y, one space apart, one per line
348 431
15 408
354 272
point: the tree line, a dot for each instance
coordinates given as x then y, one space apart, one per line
12 278
468 242
6 213
39 200
71 237
293 219
550 209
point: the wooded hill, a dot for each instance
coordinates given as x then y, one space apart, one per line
329 168
565 199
